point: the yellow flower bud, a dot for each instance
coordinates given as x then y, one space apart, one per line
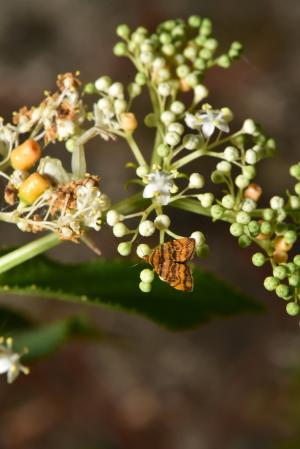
33 187
25 155
128 122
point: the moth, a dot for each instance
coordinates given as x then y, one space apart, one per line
169 262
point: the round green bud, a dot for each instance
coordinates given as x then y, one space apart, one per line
224 61
268 214
295 171
145 287
231 154
211 44
294 280
280 272
205 27
124 248
297 188
194 21
249 171
228 201
177 107
200 64
182 71
290 237
242 217
190 52
163 150
254 228
123 31
142 171
192 141
258 259
266 228
70 143
248 205
143 250
294 202
206 199
217 177
113 217
244 241
224 167
172 139
169 24
134 89
282 291
292 267
205 54
120 49
147 275
200 40
199 237
216 211
168 49
119 230
140 79
162 222
103 83
241 181
296 260
167 117
236 229
292 308
89 88
270 283
165 38
176 128
193 79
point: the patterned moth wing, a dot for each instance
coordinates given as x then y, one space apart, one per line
168 260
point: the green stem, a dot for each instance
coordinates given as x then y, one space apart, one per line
28 251
135 149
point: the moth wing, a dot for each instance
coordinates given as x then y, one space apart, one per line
177 275
178 250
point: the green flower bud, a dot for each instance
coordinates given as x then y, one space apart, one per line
124 248
282 291
165 38
176 128
249 172
231 154
270 283
228 201
119 230
217 177
297 188
217 211
89 88
296 260
163 150
211 44
280 272
205 54
199 237
206 199
192 141
193 79
294 280
145 287
147 275
162 222
254 228
205 27
120 49
168 49
224 167
241 181
177 107
140 79
134 89
190 52
258 259
295 171
123 31
182 71
242 217
292 267
268 214
290 237
266 228
236 229
224 61
294 202
194 21
103 83
200 64
143 250
244 241
292 308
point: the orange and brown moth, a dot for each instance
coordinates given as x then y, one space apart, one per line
169 262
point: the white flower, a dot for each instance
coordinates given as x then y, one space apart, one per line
207 122
89 205
65 129
159 185
10 361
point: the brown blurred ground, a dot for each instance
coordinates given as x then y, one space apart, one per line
229 385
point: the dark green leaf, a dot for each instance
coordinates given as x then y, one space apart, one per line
11 321
115 284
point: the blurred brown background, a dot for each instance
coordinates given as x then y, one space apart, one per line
232 384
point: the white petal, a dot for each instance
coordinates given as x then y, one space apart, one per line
164 199
208 129
5 364
149 191
191 121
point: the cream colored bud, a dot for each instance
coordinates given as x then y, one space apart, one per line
128 122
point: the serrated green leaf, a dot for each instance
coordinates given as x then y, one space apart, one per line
115 284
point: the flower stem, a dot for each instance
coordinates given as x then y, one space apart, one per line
28 251
135 149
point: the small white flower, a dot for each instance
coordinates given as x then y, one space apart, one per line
10 363
159 185
65 129
276 202
207 121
